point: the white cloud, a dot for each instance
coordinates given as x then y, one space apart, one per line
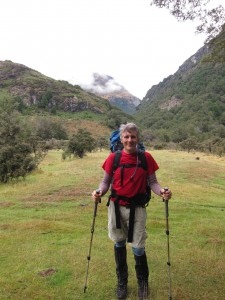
103 84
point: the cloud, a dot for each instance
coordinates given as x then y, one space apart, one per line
103 84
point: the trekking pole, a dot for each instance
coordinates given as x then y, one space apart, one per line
168 243
92 233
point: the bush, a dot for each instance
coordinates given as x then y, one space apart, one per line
80 143
17 157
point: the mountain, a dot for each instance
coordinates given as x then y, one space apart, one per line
106 87
188 105
37 89
40 96
186 108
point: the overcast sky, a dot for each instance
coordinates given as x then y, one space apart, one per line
136 44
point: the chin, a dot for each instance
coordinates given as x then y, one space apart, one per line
131 149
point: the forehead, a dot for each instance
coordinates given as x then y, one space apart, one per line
130 132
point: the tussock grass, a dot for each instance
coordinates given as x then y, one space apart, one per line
45 230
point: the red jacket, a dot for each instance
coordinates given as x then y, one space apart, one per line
134 179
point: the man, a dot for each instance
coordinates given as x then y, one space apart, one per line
127 206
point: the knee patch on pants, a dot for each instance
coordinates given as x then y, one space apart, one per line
138 251
120 244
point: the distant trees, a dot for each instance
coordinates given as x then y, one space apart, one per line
114 118
47 129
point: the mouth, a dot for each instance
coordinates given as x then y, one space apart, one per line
131 145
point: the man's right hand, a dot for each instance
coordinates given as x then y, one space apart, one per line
96 195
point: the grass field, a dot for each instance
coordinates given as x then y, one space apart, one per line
45 231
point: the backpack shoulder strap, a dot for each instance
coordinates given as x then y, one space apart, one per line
144 164
116 161
142 157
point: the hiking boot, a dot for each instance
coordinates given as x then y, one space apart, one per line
143 291
142 273
121 291
121 271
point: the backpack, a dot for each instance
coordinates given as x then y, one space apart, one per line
115 143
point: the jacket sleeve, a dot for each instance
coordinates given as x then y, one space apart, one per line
105 183
155 186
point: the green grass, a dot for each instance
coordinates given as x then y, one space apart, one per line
45 224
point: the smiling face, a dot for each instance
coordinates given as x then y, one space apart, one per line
129 140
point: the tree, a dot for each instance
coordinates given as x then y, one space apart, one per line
16 159
47 129
211 19
45 98
102 142
80 143
189 144
217 46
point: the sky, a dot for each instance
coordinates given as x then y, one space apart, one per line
134 43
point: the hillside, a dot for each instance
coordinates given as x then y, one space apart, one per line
42 97
189 104
37 89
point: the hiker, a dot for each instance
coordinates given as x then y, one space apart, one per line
127 206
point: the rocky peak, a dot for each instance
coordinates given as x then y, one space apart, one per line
106 87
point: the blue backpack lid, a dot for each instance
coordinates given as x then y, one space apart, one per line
115 140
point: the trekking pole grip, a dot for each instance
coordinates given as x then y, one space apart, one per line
98 192
166 202
96 204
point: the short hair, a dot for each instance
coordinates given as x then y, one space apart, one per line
128 127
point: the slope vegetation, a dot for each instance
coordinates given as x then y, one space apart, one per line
189 104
